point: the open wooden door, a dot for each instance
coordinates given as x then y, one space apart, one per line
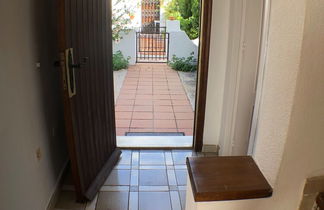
87 82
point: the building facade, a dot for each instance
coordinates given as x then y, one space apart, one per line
150 12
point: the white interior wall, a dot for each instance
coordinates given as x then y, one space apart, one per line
280 75
289 144
303 155
31 115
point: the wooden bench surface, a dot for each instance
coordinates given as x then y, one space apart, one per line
226 178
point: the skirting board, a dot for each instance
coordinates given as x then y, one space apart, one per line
57 187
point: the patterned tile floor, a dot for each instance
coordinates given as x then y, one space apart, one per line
152 99
142 180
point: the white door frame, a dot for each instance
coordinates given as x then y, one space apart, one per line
231 81
261 71
228 135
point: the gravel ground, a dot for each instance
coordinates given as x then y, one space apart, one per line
119 77
188 80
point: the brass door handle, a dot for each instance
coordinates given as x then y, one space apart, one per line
70 66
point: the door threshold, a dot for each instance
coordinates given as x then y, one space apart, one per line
155 142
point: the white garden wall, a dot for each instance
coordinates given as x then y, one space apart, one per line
172 26
180 45
127 45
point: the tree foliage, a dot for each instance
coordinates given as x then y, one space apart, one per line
122 11
187 12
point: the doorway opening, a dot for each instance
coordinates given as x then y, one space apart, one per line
155 89
88 111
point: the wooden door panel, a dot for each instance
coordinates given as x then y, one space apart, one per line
90 112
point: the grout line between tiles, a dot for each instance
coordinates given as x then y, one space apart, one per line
153 188
133 201
175 200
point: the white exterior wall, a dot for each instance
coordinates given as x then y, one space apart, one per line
127 45
173 26
180 45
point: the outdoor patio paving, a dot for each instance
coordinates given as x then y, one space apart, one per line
152 99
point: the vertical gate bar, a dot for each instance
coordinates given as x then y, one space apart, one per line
136 46
141 44
164 45
168 47
145 45
149 46
160 49
152 40
153 46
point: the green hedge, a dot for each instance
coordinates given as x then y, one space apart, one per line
184 64
119 61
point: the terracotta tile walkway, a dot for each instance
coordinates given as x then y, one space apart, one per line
152 99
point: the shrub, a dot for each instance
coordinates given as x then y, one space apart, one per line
184 64
188 13
119 61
